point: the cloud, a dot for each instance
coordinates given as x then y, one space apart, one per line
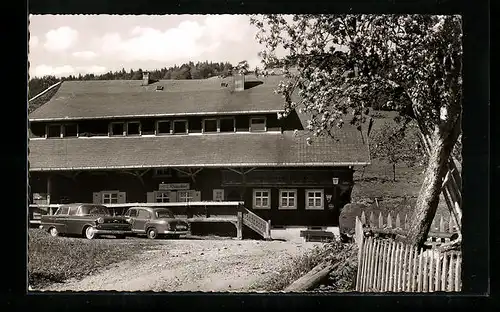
189 40
87 55
33 41
60 39
65 70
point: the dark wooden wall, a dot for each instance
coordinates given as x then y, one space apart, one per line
82 187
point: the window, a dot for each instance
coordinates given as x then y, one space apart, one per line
110 197
163 127
261 199
258 124
288 199
73 211
218 195
314 199
163 172
54 131
148 127
62 211
162 197
71 130
134 128
164 213
185 196
117 128
227 124
143 214
210 125
180 127
131 213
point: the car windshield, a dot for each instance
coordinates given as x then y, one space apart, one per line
95 210
164 213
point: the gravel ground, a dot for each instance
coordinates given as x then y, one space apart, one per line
219 265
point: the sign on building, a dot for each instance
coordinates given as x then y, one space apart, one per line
173 186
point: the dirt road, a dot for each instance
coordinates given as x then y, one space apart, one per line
193 265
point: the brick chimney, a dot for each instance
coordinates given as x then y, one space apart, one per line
145 79
239 82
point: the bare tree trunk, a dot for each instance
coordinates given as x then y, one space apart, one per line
428 198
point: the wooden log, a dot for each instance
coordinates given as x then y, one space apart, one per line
312 278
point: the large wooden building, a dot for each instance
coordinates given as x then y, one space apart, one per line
193 140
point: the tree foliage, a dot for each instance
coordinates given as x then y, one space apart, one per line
395 146
341 63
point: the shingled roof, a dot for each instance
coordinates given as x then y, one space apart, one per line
129 98
218 150
105 99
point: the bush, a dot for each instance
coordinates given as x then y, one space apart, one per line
56 259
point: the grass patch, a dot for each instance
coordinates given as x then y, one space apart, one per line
56 259
341 279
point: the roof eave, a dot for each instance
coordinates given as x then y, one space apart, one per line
230 165
271 111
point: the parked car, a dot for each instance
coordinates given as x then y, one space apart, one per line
155 222
88 220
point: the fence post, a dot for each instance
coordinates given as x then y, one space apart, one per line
380 221
376 279
359 237
371 266
458 277
431 271
391 272
398 266
425 276
389 221
419 272
450 274
398 221
363 217
405 269
443 273
438 273
414 268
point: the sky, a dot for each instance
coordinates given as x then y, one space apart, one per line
61 45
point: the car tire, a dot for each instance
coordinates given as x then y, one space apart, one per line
90 233
53 232
152 233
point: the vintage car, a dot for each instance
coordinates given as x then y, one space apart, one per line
155 222
88 220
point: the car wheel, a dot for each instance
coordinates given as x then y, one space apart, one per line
53 232
152 233
90 232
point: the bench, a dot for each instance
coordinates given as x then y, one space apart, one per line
317 235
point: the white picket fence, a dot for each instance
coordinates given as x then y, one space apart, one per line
390 266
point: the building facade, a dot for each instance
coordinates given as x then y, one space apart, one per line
188 141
